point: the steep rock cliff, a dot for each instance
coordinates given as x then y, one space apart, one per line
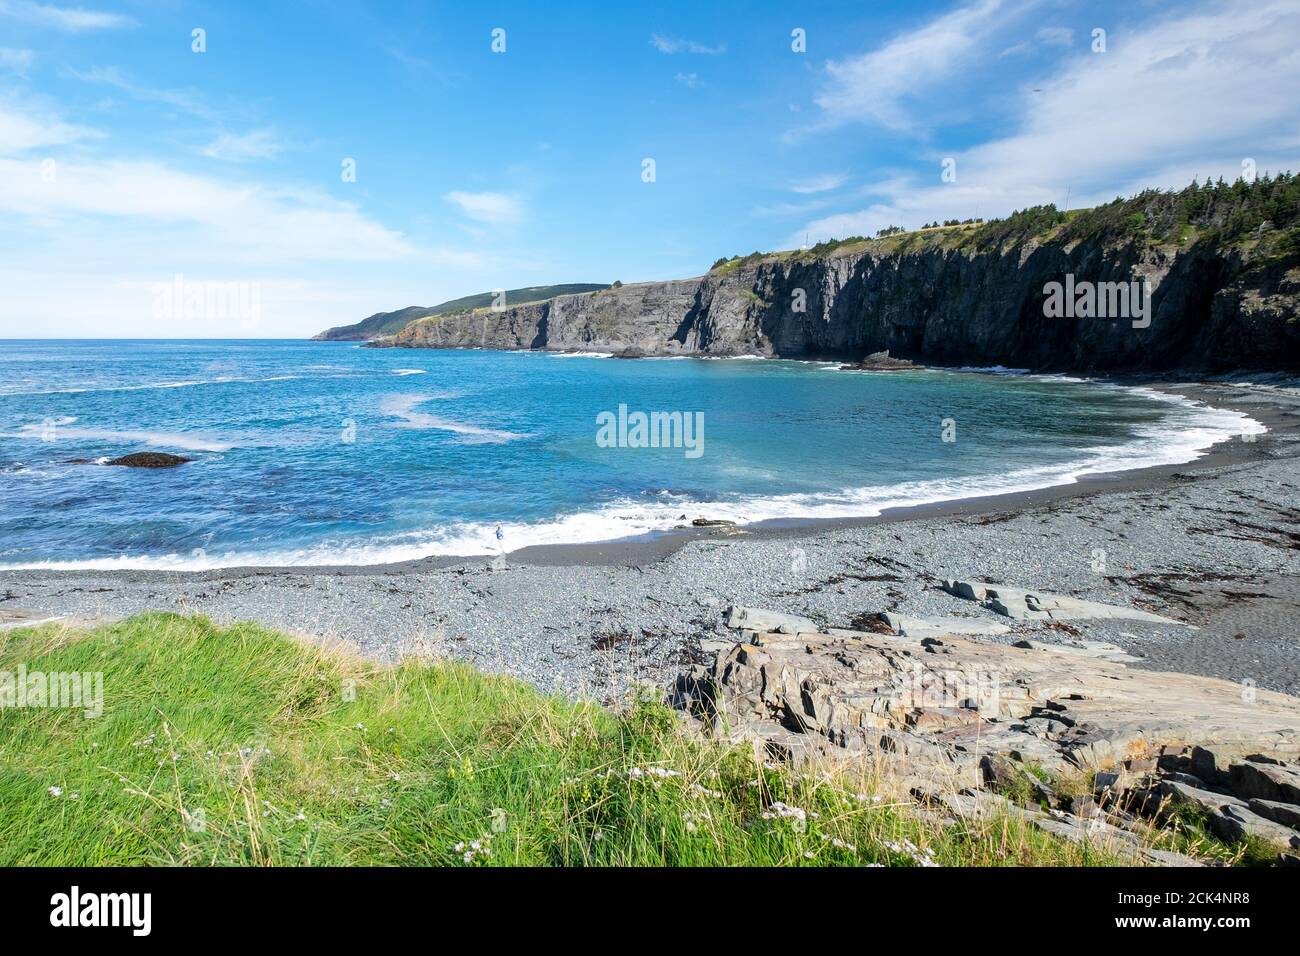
1221 267
1208 310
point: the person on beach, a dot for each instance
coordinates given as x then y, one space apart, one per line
500 536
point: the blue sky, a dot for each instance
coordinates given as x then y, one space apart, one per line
127 158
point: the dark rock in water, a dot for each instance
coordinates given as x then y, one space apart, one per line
712 523
631 352
149 459
879 362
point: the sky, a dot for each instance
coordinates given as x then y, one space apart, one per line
332 159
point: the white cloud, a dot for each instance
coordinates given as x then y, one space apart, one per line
1055 36
257 144
73 303
241 220
1045 37
672 45
20 61
820 184
69 19
1194 92
688 80
187 101
491 208
875 87
24 127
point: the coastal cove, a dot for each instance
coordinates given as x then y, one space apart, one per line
589 619
311 454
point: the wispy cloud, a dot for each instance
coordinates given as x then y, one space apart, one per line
69 19
243 219
875 87
19 61
1043 38
491 208
257 144
25 127
688 80
672 45
187 101
1055 36
819 184
1198 70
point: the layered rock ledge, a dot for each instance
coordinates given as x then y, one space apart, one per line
952 716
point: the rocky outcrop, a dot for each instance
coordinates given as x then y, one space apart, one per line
149 459
928 298
1022 604
954 715
879 362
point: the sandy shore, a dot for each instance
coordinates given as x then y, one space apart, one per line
1213 543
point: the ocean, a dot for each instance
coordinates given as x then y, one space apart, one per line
330 453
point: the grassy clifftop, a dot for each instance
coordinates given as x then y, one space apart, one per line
241 746
1263 215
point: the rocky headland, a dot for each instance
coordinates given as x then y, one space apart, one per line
1207 279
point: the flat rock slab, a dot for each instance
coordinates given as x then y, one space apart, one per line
939 626
755 619
1101 650
1022 604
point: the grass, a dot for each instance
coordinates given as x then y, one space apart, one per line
241 746
1186 829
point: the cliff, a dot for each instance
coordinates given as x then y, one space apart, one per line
390 323
1221 266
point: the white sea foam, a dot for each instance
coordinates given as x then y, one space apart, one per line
1190 431
403 407
149 386
63 428
581 354
992 370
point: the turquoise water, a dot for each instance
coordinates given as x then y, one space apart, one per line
329 453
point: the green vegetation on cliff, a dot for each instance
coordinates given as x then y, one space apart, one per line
1266 210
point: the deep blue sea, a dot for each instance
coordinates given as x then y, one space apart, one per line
319 452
